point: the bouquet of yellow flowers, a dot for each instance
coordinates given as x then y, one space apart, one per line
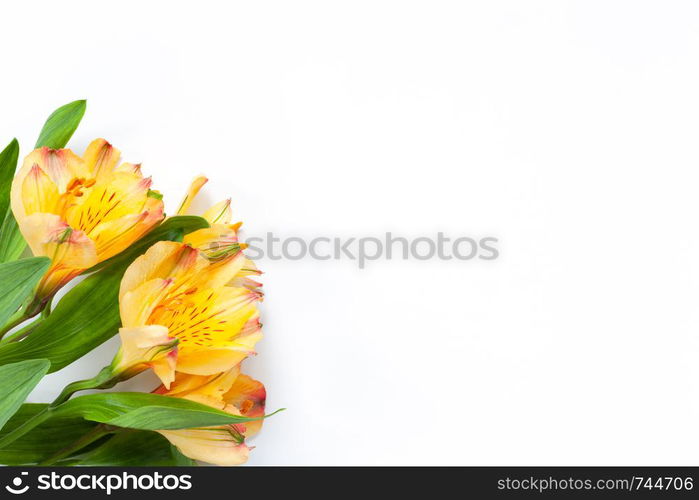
178 290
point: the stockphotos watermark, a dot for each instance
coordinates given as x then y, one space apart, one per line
96 482
371 248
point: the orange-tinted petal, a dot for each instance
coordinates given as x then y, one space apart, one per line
194 188
218 446
248 395
61 165
101 158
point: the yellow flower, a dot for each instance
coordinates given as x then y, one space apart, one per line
230 391
81 211
174 293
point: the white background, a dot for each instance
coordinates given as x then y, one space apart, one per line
566 129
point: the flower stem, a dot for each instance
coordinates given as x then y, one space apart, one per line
13 322
36 306
22 332
105 379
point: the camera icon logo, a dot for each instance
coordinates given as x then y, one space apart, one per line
17 483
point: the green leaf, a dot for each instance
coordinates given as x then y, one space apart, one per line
17 282
130 448
125 448
12 242
43 441
138 410
88 314
61 125
8 165
18 380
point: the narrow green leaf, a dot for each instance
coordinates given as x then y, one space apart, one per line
130 448
8 165
43 441
17 282
88 314
18 380
61 125
12 242
138 410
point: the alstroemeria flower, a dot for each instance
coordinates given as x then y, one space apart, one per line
194 301
230 391
81 211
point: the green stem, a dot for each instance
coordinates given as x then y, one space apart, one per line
90 437
105 379
22 332
33 308
46 311
13 322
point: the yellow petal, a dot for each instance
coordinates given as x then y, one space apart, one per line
137 305
222 272
117 213
210 361
121 194
220 213
117 235
165 260
215 243
70 251
243 277
146 346
194 188
47 235
130 168
204 320
212 386
101 158
39 193
217 446
164 367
